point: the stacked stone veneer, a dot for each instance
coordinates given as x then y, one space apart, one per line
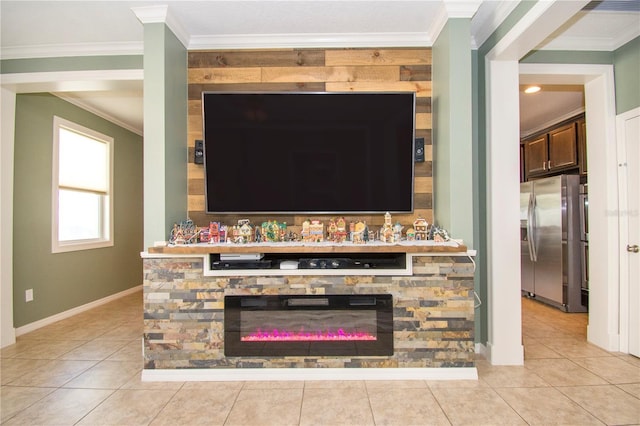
184 314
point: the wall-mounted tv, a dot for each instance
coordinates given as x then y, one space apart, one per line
308 152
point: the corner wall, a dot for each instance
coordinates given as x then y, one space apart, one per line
63 281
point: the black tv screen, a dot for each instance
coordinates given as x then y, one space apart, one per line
308 152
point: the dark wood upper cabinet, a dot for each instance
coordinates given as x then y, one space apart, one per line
555 150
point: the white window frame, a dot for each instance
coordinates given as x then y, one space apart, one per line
106 219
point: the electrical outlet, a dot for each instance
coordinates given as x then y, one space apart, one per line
28 295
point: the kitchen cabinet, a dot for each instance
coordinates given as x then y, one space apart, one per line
582 146
554 150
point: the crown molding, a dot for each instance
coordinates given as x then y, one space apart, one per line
452 9
606 44
338 40
488 19
161 15
70 50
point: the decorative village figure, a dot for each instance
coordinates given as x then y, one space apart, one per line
316 231
386 232
422 229
245 230
337 230
204 235
397 232
332 228
439 235
223 233
411 234
214 232
358 234
305 233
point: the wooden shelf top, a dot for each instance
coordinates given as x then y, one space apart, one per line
324 247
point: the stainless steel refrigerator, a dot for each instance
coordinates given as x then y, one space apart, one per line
550 241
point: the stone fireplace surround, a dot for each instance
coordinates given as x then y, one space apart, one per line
433 311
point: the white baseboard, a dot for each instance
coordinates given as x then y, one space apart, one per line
481 349
288 374
74 311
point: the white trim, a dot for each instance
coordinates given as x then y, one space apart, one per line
71 50
488 19
66 81
7 136
289 374
161 14
106 218
306 40
74 311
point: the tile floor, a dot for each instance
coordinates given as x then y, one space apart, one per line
85 370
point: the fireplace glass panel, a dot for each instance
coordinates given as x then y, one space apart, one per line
308 325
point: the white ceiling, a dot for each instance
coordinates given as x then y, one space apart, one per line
70 28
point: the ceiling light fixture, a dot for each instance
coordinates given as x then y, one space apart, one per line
532 89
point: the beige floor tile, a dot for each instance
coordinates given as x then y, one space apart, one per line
475 407
186 407
62 407
132 351
123 332
405 406
213 385
562 372
480 383
266 407
15 399
396 384
13 368
630 359
336 407
546 406
47 349
276 384
574 348
536 350
95 350
54 373
136 383
632 389
612 369
129 407
335 384
106 375
510 376
610 404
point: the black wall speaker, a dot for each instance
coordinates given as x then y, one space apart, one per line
198 153
419 150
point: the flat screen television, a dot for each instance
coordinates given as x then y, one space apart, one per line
308 152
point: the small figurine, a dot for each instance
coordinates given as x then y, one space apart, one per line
386 232
316 231
245 231
397 232
214 232
421 229
411 234
358 234
439 235
204 235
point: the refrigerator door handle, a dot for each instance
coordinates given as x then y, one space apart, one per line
530 227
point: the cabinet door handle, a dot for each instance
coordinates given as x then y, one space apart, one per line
549 164
633 248
544 165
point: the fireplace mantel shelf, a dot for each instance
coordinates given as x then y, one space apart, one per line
326 247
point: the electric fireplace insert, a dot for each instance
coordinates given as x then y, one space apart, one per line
296 325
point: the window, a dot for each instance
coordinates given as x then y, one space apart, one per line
82 188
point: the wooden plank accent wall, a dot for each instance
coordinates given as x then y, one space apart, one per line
314 70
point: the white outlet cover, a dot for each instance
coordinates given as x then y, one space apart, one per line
28 295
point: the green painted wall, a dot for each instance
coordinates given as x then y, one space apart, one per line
165 129
626 68
452 127
64 281
76 63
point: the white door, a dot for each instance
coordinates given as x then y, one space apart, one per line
629 134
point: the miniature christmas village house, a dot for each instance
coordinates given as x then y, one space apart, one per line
312 231
337 230
386 232
245 230
421 228
214 232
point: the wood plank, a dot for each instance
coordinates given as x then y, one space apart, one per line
195 202
256 58
195 171
422 88
415 72
422 184
195 186
334 57
423 201
424 169
423 120
195 90
224 75
424 133
423 104
195 107
329 74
